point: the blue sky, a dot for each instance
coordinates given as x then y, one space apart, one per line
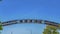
28 9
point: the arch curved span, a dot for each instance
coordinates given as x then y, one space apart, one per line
30 21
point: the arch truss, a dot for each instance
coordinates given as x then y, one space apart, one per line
30 21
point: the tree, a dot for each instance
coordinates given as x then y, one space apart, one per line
50 30
1 28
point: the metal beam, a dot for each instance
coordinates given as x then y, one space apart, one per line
30 21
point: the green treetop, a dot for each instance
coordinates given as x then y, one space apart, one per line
1 28
50 30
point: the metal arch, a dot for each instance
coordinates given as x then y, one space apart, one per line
30 21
